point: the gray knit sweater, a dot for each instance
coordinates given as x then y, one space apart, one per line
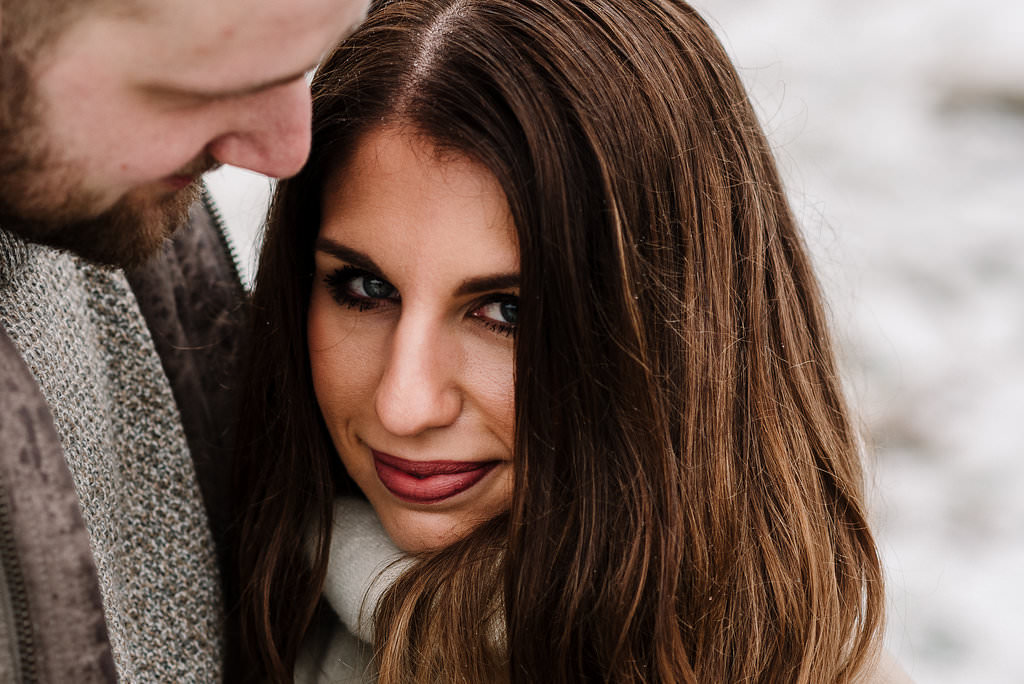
81 334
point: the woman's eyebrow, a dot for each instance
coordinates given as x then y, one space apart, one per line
499 281
347 254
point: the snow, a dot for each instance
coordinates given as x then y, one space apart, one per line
900 129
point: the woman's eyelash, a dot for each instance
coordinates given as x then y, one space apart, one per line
339 284
342 284
507 306
501 328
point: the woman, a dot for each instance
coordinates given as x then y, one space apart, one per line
653 476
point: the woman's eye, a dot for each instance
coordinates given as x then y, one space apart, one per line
374 288
359 289
500 314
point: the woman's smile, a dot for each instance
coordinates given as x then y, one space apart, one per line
428 482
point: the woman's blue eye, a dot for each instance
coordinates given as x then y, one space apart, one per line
510 311
373 287
359 289
500 314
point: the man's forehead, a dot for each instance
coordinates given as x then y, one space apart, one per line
227 20
212 46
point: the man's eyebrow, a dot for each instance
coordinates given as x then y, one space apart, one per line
347 254
227 93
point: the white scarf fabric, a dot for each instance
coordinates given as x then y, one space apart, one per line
363 563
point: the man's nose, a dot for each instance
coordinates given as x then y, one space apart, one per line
419 388
271 134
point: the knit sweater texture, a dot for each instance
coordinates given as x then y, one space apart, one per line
81 334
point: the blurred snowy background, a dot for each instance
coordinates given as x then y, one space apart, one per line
899 126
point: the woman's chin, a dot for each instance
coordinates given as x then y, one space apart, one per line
424 531
420 532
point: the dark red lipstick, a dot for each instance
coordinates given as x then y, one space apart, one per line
426 482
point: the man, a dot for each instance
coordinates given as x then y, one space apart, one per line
111 380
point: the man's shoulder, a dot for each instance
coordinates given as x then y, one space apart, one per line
199 252
190 293
48 584
18 385
193 301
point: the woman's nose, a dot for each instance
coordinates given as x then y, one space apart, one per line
419 389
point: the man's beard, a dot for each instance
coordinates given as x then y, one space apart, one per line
125 235
42 198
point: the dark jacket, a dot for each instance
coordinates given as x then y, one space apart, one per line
52 626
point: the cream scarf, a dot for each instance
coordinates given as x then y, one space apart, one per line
363 564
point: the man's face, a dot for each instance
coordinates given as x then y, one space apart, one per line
102 145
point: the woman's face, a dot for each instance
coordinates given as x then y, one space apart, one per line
411 335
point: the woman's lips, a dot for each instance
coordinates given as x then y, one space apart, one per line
425 482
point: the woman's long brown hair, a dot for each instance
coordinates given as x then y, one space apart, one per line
688 503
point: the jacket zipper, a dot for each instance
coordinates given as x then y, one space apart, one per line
24 661
222 232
